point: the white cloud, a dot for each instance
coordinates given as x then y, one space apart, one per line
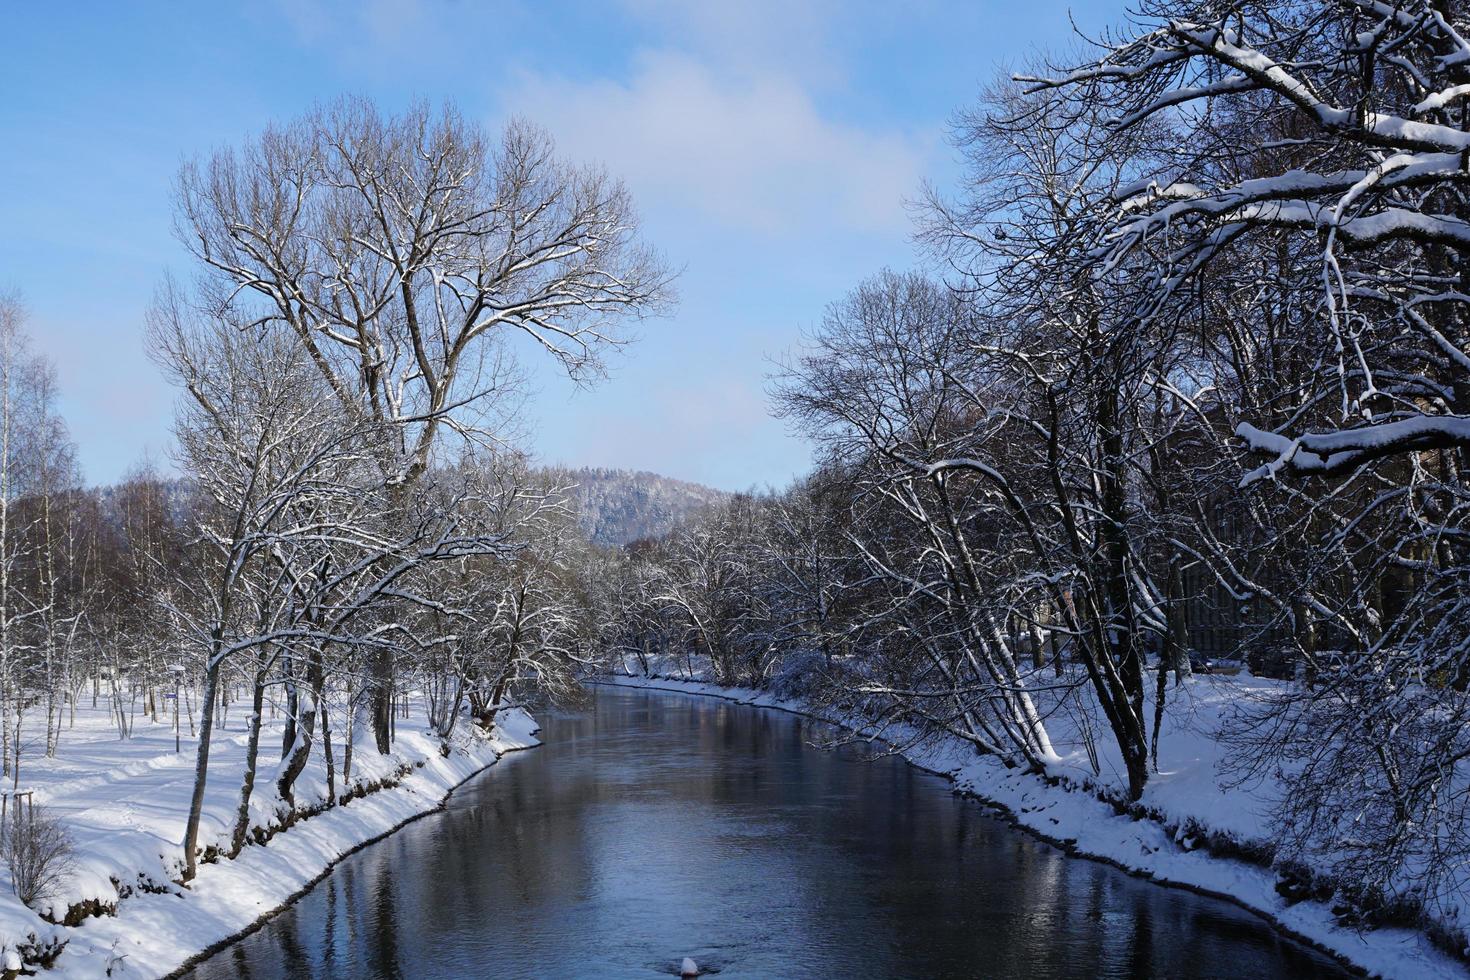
748 149
792 36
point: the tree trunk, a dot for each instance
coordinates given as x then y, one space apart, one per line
1173 654
1120 641
382 700
327 752
1038 653
487 719
252 752
201 770
288 732
305 725
353 706
295 760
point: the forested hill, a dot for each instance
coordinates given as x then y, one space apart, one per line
618 506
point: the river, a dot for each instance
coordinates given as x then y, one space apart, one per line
653 826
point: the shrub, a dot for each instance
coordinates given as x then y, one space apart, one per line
38 851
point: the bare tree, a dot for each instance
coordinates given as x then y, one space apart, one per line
401 253
1298 176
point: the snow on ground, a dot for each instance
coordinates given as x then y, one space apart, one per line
125 803
1188 787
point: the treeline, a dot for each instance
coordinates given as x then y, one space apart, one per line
1197 362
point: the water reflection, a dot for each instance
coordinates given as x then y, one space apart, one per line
657 826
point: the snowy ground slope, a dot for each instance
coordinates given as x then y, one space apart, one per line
125 801
1187 787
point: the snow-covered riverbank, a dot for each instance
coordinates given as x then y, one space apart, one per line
1187 794
124 803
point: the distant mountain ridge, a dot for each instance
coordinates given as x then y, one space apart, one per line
618 506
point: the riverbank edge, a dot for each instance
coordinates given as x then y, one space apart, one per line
265 917
1335 942
308 852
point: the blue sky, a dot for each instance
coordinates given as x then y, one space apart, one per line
770 146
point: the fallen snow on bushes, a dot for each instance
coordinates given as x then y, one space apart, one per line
125 801
1187 789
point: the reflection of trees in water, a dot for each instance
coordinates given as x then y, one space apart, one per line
383 937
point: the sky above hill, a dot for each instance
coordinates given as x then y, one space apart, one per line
770 145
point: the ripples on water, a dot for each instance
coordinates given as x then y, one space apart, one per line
656 826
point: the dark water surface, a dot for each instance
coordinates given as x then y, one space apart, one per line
654 826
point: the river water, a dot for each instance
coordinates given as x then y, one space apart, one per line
653 826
